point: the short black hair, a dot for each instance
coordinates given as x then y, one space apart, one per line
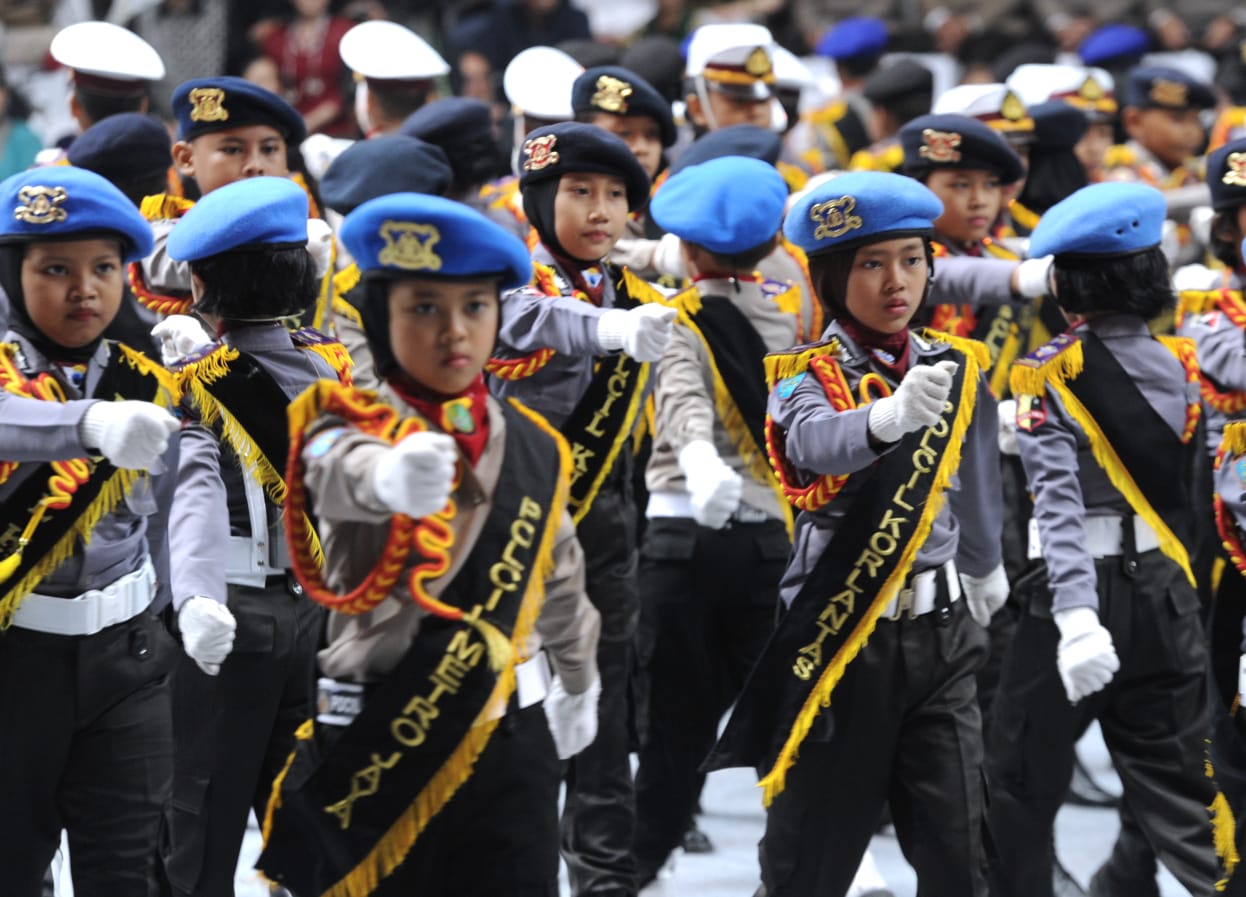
99 106
746 260
257 283
397 103
1135 284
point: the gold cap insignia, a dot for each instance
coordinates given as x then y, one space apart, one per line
539 152
1091 90
206 104
410 246
834 218
1170 93
41 205
758 63
612 94
1235 174
940 146
1012 108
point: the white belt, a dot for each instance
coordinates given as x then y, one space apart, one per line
246 563
93 610
918 597
1105 537
679 504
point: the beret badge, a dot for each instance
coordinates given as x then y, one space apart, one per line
207 104
1235 172
940 146
1169 93
41 205
834 218
540 152
410 246
612 94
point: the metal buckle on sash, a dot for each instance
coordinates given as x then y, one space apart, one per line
903 604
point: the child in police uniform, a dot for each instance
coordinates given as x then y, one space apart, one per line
1107 418
885 438
424 491
250 635
84 431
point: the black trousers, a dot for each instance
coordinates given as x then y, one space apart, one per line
1153 715
905 729
234 732
86 745
599 810
708 600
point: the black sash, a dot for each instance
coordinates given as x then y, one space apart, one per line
840 600
738 352
346 818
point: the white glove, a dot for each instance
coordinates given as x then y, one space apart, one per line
1086 656
1170 241
207 632
572 718
668 256
1241 678
714 487
642 332
985 594
320 244
129 434
916 403
1195 277
1200 224
181 336
1032 276
1008 427
416 476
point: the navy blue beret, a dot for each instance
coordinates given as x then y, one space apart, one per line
1058 125
737 140
390 163
1113 218
905 78
250 212
1111 45
1160 87
416 235
123 147
1226 175
617 91
860 207
727 205
957 141
854 38
204 105
555 150
450 122
59 202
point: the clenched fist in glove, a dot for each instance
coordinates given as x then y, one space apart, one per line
416 476
641 332
1008 428
207 628
985 594
129 434
916 403
1086 656
572 718
714 487
181 336
1031 277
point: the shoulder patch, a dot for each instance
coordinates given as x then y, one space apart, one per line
1050 350
320 445
788 385
209 349
1031 412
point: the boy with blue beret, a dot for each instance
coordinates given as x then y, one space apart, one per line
885 439
1160 113
437 648
246 246
1107 426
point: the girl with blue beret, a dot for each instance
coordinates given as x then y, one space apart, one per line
885 439
449 560
84 562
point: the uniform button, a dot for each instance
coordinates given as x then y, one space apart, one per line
138 645
1131 566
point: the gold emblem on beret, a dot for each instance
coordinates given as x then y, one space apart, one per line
410 246
41 205
758 63
539 152
1091 90
206 104
1170 93
612 94
1235 174
940 146
834 218
1012 108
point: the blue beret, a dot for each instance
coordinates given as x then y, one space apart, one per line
204 105
1109 219
390 163
737 140
1226 175
123 147
860 207
617 91
727 205
1057 125
450 122
1110 45
854 38
250 212
555 150
60 202
957 141
1160 87
416 235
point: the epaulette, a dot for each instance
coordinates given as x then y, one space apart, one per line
796 360
331 350
161 206
1233 442
1059 359
196 357
795 176
1117 156
786 295
975 349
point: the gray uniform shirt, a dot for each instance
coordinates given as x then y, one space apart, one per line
821 440
1222 358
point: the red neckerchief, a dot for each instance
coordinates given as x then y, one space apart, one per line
465 416
891 350
581 276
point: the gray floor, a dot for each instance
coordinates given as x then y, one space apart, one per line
733 820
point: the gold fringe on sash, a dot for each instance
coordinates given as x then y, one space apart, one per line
1223 830
1031 380
161 206
1233 441
788 364
305 732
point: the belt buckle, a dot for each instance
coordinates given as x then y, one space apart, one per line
904 603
